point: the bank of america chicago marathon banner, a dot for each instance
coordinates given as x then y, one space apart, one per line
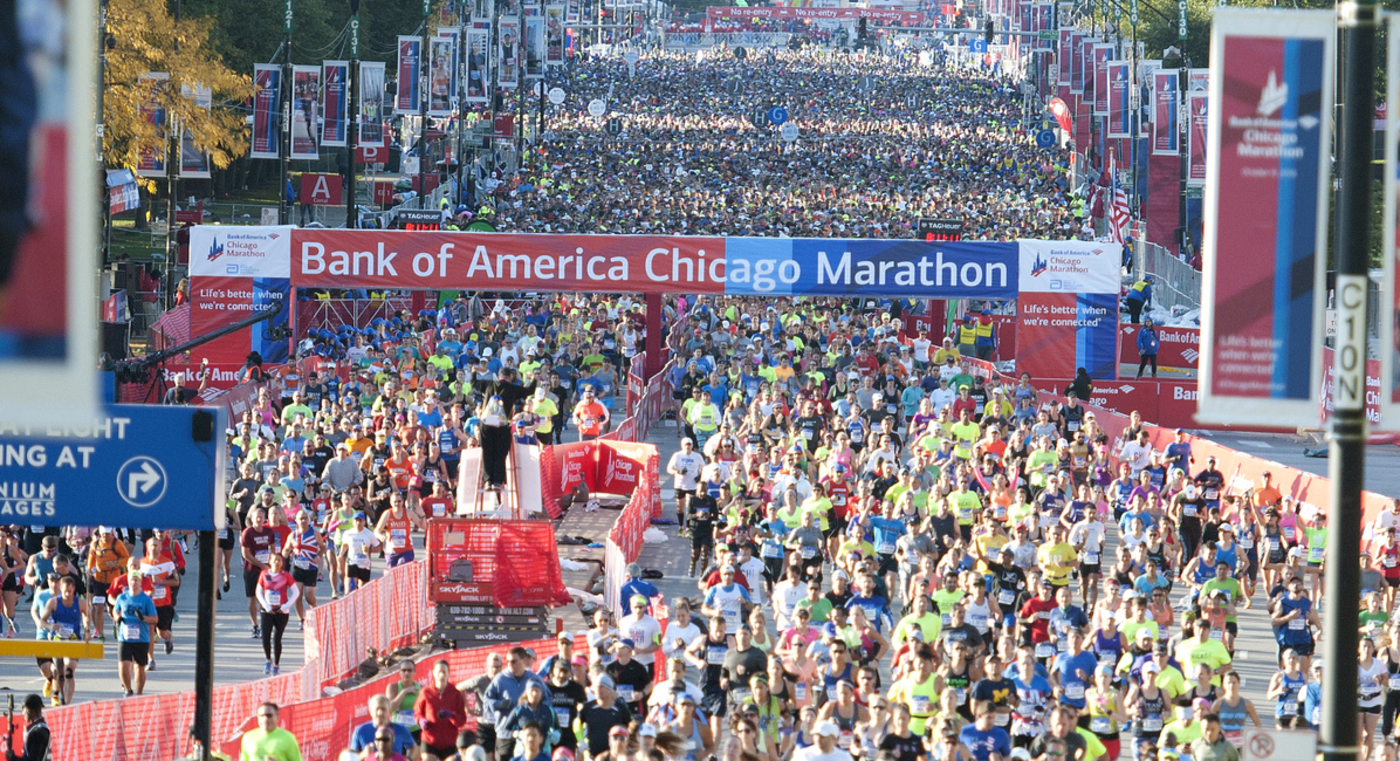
267 104
1265 216
235 271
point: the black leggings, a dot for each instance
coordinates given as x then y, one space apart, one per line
1388 712
273 624
1146 360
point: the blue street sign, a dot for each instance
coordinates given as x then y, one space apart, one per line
977 45
138 466
1045 138
777 115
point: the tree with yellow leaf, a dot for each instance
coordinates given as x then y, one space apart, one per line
146 38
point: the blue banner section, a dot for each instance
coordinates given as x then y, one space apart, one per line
136 466
266 292
1096 334
885 268
1298 200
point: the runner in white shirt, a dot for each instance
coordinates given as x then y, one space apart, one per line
1087 537
644 631
355 548
727 599
685 465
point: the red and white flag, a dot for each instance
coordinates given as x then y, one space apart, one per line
1119 216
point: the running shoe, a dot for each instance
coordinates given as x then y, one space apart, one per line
48 689
257 633
225 585
128 694
275 670
54 701
170 646
152 665
267 668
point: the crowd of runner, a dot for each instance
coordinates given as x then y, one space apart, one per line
896 555
919 138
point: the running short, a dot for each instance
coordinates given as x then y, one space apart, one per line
135 652
356 572
713 704
1392 581
165 616
1090 569
305 576
226 542
399 558
1232 628
888 564
250 582
447 751
11 583
99 591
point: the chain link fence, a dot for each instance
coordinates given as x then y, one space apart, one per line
1176 282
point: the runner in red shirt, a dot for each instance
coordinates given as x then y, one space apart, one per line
259 541
163 563
441 712
1035 614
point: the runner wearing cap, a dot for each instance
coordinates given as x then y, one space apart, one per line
106 561
355 549
133 613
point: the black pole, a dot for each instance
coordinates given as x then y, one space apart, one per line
1346 461
1183 90
204 648
102 37
352 132
284 208
423 63
172 181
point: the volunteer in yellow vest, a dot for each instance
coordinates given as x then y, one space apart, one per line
986 332
967 336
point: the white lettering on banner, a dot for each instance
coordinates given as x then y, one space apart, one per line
1184 394
1348 389
693 273
945 273
377 263
107 428
524 267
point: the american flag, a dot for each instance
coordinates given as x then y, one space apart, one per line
1119 217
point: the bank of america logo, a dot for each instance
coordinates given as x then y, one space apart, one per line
1273 96
216 250
1039 266
1191 355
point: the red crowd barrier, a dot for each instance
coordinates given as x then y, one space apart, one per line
323 726
390 612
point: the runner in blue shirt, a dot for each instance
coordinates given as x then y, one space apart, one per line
986 741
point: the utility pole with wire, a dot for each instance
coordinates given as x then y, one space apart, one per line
172 181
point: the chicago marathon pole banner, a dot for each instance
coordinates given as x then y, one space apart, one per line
1265 216
1388 394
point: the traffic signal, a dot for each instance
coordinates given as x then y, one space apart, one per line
988 31
862 30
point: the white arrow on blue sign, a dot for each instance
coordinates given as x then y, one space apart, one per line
136 466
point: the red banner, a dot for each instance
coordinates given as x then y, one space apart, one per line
321 189
1179 348
1045 349
498 261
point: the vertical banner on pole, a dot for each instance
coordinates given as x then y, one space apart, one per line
151 162
1102 51
1076 63
1062 63
267 104
306 106
442 74
1166 130
572 11
1120 121
533 42
409 98
1389 307
194 163
335 77
1266 205
554 34
372 132
478 44
509 38
1198 117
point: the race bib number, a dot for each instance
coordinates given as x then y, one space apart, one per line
99 600
715 655
1246 543
1217 635
360 560
627 693
262 556
1288 533
1388 561
301 563
1212 493
274 597
1074 691
1006 597
65 632
1152 724
1297 624
1091 558
771 550
1044 650
1315 554
1100 725
1275 545
1189 510
159 593
919 705
399 537
801 691
844 740
885 548
808 553
1001 719
405 718
1395 681
132 632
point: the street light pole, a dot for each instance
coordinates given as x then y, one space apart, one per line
1346 461
352 134
1183 86
423 59
284 208
172 180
